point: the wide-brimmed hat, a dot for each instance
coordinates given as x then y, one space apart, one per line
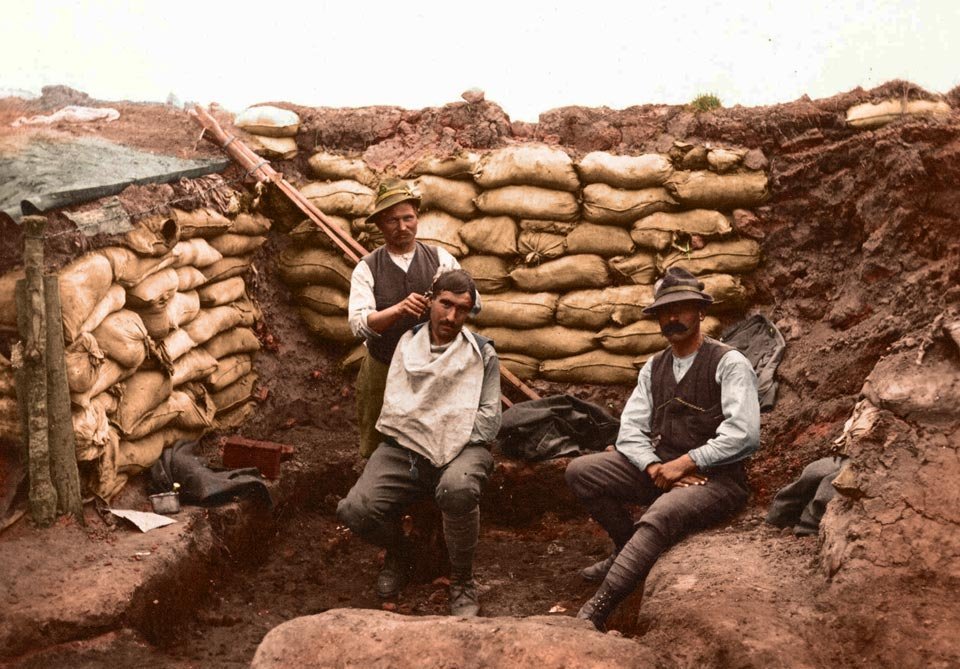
391 192
677 285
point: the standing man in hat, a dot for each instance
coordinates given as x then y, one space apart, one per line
387 297
684 434
440 411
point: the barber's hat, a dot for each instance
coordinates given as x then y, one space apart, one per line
677 285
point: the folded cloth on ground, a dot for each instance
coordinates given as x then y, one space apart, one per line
763 345
555 427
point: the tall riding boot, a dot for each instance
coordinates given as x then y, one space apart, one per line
461 532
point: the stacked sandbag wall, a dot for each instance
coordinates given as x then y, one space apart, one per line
159 340
565 253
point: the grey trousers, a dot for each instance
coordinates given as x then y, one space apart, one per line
605 482
394 476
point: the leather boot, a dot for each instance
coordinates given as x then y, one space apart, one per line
598 570
599 607
395 572
464 601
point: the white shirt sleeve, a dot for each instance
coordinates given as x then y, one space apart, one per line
634 437
362 302
739 434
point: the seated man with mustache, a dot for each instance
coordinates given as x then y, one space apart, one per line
441 408
684 435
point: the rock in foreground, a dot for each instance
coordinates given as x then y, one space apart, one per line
367 638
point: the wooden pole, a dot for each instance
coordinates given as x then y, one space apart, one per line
31 319
63 449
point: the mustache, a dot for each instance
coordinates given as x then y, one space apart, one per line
673 328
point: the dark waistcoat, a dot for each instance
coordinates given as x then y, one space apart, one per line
687 414
391 285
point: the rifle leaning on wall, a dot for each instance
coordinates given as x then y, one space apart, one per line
261 170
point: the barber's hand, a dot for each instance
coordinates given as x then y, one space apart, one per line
414 305
669 473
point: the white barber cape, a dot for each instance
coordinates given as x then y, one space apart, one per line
432 397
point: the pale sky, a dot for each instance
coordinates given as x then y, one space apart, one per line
528 57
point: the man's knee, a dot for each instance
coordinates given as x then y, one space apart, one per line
457 499
361 516
580 479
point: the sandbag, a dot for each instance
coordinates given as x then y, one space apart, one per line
517 310
632 172
227 268
644 336
250 312
341 198
563 274
136 455
156 290
141 393
204 223
351 361
627 302
874 115
549 342
308 234
268 121
82 358
196 252
8 301
615 206
273 148
192 365
198 408
334 328
527 165
228 370
459 166
695 222
522 366
450 195
250 224
110 374
114 301
314 266
231 245
324 300
211 322
123 337
585 309
602 240
222 292
10 425
153 236
491 274
83 284
331 167
129 269
162 415
437 228
707 190
657 240
235 418
235 394
188 278
8 386
601 367
535 247
233 341
641 268
492 235
722 161
181 309
562 228
727 291
529 202
736 255
173 346
91 430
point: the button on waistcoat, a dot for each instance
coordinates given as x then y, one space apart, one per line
391 285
